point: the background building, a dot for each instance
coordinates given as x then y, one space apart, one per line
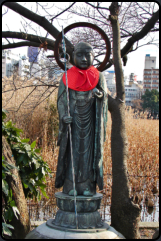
13 64
133 89
132 92
111 81
24 67
150 74
3 64
32 54
9 63
132 78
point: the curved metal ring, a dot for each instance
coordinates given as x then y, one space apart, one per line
66 60
83 24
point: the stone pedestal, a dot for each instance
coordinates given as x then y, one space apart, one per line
87 214
64 225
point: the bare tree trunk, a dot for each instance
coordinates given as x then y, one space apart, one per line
21 225
125 215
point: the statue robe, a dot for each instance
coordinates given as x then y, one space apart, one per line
88 163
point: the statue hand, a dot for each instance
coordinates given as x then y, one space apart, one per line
97 93
67 119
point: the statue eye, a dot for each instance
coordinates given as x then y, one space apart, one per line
79 54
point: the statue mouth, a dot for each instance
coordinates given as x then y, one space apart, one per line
83 63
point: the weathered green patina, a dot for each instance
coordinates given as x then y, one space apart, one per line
88 110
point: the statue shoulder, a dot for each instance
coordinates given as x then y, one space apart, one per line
101 76
102 80
61 87
61 90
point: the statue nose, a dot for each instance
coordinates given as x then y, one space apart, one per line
84 58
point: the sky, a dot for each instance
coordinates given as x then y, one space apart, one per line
135 63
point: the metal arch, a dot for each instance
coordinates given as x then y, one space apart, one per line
83 24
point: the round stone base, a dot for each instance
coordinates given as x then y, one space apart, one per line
81 228
85 220
45 232
84 204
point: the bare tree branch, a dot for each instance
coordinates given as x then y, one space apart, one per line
128 28
5 12
42 21
98 9
136 37
97 6
22 44
30 37
62 11
82 15
125 13
26 98
39 102
148 26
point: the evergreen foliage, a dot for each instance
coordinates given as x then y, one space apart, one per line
151 101
32 169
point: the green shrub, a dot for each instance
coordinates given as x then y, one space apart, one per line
32 169
9 208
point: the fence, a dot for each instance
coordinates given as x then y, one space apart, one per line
46 208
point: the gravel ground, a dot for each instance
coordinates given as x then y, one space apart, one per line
146 233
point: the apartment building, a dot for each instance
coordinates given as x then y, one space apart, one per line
24 67
13 64
132 92
150 74
9 62
3 64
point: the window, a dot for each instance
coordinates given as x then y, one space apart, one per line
147 85
155 81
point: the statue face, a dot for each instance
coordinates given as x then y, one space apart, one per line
83 56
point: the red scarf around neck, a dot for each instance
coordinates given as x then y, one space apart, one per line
82 80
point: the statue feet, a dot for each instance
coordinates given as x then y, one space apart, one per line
87 193
86 188
71 193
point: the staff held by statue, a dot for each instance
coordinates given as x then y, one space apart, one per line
69 126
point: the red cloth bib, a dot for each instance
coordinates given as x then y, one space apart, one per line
82 80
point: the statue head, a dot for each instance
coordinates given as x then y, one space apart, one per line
83 55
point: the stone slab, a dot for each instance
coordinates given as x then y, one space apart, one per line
45 232
150 225
103 227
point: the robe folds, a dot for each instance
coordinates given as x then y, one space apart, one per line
99 110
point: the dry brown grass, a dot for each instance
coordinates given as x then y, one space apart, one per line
142 163
33 121
143 142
